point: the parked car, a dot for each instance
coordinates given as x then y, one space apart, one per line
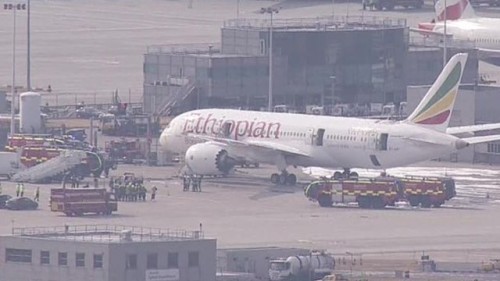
21 203
4 198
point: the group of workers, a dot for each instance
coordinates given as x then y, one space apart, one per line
193 181
130 189
368 4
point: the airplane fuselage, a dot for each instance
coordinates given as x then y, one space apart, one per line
333 142
483 32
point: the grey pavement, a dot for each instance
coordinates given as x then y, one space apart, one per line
246 211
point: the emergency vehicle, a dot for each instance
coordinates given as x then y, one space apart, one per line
79 201
380 192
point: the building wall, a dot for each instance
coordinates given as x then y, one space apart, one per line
35 271
114 260
309 67
423 65
367 64
243 42
204 272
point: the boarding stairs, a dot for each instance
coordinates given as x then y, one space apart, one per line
178 96
67 160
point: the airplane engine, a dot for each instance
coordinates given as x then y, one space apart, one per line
209 159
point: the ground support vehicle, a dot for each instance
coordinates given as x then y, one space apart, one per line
36 149
384 191
312 267
428 191
78 201
367 192
126 151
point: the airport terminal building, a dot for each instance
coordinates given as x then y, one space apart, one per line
315 61
106 253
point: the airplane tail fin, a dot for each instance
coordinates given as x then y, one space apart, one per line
455 9
434 111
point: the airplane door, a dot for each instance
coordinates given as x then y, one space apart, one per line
226 129
382 141
316 137
320 134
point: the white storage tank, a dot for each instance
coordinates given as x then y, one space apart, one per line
29 112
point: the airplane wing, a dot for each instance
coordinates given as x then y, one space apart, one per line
472 128
263 146
487 53
424 31
481 139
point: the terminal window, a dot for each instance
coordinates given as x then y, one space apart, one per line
97 260
80 260
62 258
193 259
152 261
18 255
131 261
44 257
173 260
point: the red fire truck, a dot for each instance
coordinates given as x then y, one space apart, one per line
380 192
80 201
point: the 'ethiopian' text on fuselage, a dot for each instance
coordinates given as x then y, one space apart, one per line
238 128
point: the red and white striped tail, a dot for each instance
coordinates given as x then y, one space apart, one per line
455 9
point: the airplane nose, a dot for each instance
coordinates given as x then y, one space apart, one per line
163 139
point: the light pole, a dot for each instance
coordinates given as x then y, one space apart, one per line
13 8
270 11
445 55
28 47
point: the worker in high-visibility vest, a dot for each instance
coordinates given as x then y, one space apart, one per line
22 189
37 194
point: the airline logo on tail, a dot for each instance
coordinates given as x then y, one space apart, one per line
455 10
435 109
438 108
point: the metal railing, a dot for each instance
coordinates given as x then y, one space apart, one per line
106 233
337 22
172 100
194 48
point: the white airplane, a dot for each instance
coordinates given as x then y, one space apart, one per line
462 24
212 139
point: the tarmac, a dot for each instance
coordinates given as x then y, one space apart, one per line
87 49
245 210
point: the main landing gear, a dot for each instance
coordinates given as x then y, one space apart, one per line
284 178
347 174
